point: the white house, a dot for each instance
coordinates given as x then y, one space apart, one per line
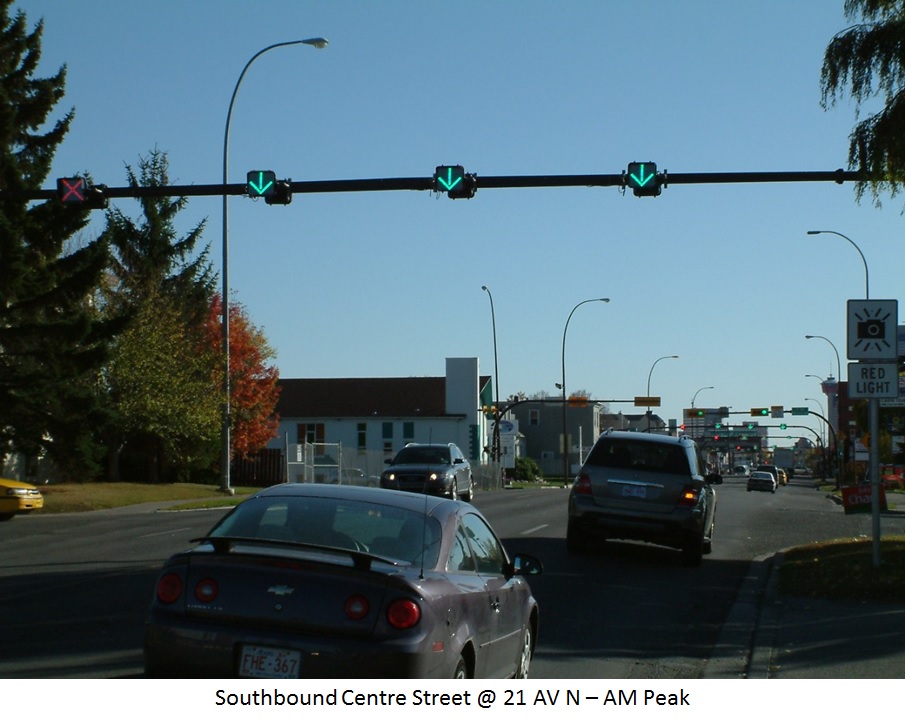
332 425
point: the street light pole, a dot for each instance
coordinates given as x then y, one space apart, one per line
836 407
648 383
225 422
873 407
495 446
565 430
694 428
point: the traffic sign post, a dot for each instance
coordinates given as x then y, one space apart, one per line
871 336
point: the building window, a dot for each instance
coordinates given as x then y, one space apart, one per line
387 429
534 417
312 434
362 437
387 449
408 431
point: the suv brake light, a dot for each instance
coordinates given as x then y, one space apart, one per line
582 484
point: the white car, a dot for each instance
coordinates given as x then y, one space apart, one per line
762 481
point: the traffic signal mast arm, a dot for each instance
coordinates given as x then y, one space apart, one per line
426 183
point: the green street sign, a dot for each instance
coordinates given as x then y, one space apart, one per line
260 183
800 411
641 178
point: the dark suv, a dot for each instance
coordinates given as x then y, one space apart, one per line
438 469
648 487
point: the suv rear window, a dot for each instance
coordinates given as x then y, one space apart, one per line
643 455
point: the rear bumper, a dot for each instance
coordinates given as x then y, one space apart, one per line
672 529
205 650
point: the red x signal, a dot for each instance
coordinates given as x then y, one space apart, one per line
72 190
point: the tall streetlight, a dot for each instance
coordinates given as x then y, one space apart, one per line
664 357
866 273
873 415
835 407
822 430
565 430
226 449
694 428
495 447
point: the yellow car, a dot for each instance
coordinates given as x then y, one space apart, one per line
18 498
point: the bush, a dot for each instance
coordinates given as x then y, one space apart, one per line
526 470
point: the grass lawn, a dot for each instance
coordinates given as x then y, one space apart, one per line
60 498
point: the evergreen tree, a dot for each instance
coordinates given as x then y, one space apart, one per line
51 343
151 268
869 57
148 257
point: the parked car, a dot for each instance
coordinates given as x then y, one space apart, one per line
355 476
337 581
438 469
646 487
741 470
761 481
16 497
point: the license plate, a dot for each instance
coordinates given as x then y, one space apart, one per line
256 661
630 490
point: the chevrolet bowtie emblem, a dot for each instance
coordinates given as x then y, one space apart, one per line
281 590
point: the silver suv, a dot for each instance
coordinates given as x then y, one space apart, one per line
648 487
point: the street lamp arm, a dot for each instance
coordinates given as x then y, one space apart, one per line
863 259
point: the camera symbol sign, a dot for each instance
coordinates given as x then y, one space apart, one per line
872 329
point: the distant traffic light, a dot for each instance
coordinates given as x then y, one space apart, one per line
760 411
282 192
783 426
641 177
454 182
76 190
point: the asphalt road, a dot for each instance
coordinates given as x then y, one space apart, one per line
74 588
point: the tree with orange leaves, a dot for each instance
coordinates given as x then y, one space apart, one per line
253 384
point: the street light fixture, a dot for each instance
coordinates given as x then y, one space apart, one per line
565 430
226 449
664 357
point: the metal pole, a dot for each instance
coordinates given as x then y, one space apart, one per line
565 430
225 421
495 446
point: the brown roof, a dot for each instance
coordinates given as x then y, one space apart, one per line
364 397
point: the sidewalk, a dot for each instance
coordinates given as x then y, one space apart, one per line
771 636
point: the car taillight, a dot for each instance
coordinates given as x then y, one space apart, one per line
403 614
357 607
169 588
206 590
689 497
582 484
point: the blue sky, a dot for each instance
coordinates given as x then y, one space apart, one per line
389 283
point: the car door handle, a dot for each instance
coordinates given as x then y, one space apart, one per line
495 605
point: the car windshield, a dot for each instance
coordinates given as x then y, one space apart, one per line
391 532
645 455
423 455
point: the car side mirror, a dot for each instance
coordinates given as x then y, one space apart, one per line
523 564
714 478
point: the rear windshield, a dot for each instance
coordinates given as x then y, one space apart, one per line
643 455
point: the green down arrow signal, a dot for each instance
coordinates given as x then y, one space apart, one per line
449 182
261 186
639 178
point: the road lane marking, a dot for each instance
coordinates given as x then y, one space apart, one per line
534 529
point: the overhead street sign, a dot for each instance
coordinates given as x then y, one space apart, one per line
647 401
872 329
873 380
